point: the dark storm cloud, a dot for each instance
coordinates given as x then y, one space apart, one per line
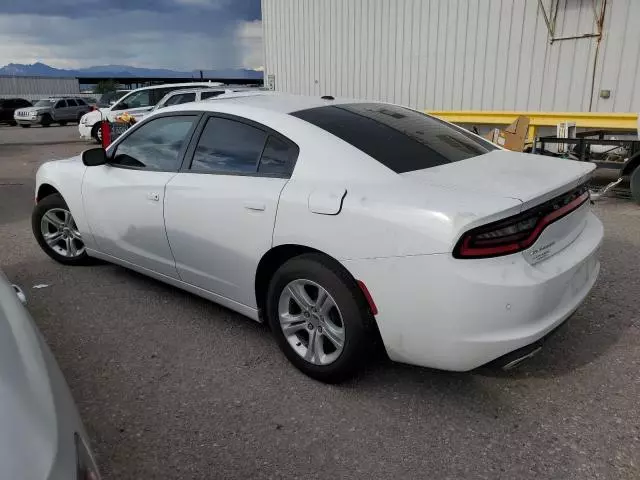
226 9
182 34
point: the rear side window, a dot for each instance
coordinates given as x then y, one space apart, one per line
181 98
278 157
401 139
205 95
71 102
80 101
227 146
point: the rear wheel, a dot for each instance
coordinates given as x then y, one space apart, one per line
319 318
57 233
634 184
13 123
96 132
46 120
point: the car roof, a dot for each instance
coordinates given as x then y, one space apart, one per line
195 90
273 101
186 85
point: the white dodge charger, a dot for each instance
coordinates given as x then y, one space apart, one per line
343 224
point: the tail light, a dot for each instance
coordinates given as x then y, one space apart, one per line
518 232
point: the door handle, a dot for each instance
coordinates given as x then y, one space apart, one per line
255 206
153 196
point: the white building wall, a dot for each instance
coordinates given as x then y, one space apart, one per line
455 54
32 88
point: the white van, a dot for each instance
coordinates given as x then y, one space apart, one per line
137 103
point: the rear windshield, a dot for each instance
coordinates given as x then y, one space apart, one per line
401 139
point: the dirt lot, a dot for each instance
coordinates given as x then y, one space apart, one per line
173 387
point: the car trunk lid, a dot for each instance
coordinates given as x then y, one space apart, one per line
535 181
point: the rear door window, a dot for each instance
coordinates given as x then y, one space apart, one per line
228 147
401 139
71 102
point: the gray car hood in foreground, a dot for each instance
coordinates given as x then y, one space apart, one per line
37 415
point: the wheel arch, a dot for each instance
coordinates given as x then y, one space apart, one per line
271 261
631 165
275 258
278 255
46 189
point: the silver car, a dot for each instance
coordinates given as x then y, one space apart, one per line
44 112
41 435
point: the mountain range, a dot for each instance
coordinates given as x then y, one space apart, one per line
39 69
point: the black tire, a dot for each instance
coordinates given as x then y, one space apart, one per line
634 184
350 301
96 132
63 124
54 201
46 120
13 123
24 126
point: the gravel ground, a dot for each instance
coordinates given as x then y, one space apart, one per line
171 386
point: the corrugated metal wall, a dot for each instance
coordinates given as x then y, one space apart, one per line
455 54
33 88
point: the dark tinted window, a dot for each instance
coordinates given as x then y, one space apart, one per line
61 104
23 103
71 102
155 145
278 157
80 101
205 95
401 139
181 98
227 146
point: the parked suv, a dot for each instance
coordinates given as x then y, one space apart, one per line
60 110
137 104
8 106
186 95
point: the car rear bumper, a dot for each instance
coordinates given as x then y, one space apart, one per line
440 312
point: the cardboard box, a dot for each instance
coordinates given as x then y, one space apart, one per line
513 137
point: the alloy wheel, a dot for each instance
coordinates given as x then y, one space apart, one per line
311 322
61 234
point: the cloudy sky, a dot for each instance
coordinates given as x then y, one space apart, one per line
176 34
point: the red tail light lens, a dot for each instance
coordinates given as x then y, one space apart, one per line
518 232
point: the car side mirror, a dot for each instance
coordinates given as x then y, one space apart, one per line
94 157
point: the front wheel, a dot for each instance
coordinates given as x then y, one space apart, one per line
57 233
319 318
96 132
46 120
